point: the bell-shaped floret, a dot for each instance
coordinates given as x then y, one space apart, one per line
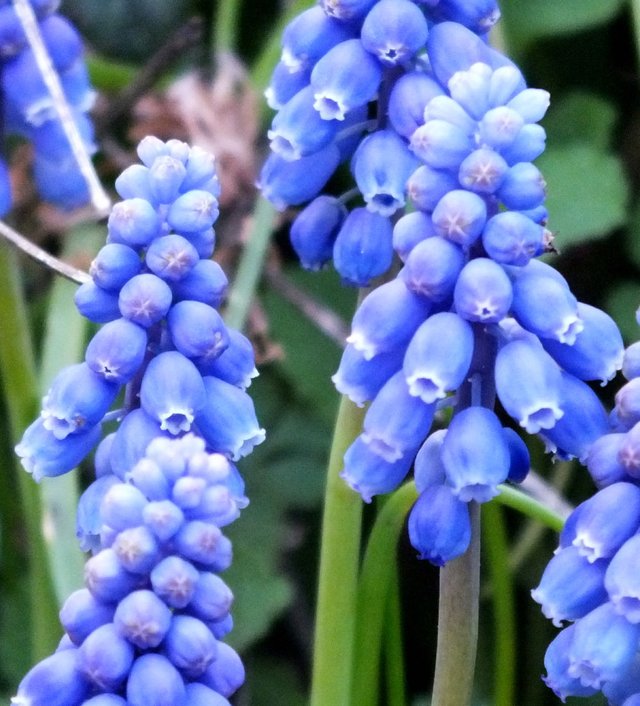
475 454
381 166
298 130
192 212
360 378
460 216
117 351
556 662
88 517
82 613
106 658
314 231
545 306
206 283
528 384
172 391
439 525
394 30
603 462
145 299
397 435
227 420
96 304
363 249
114 265
211 599
596 353
483 171
622 580
197 330
309 36
174 580
426 186
409 230
171 257
154 681
523 187
190 645
130 443
511 238
235 365
44 455
107 579
438 357
409 96
631 361
520 461
292 183
284 85
387 319
604 522
570 586
428 467
603 647
483 291
433 267
346 77
143 619
583 422
77 400
55 681
226 674
133 222
369 473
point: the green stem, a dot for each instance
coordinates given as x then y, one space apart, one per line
225 27
251 264
394 653
376 577
504 637
525 504
338 579
18 374
458 623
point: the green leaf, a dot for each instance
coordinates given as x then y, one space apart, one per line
261 592
270 681
529 19
581 117
587 192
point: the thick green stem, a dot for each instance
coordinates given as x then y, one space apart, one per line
376 577
393 649
251 265
504 638
458 623
338 580
17 368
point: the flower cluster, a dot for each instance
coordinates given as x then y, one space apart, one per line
592 581
148 623
28 107
147 628
451 114
156 292
472 313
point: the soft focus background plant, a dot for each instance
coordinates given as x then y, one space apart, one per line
196 70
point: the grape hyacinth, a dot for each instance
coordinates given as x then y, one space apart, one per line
148 622
591 582
147 628
29 110
471 315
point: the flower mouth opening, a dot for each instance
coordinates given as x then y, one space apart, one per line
328 107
